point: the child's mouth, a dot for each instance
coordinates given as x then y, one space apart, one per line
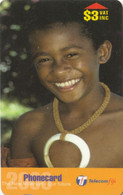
67 85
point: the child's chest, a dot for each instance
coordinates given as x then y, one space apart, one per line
103 139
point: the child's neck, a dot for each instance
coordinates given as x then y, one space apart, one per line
86 105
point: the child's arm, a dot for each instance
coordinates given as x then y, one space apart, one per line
20 145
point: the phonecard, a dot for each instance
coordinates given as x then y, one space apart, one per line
61 97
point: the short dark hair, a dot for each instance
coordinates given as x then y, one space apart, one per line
44 13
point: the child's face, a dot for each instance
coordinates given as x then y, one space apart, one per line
66 61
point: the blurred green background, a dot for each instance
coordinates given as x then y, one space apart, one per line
9 112
21 90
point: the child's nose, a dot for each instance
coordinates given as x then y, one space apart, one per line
61 66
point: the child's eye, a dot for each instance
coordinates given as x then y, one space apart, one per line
43 60
70 55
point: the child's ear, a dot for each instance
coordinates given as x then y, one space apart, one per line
104 52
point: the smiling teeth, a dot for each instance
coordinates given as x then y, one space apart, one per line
67 83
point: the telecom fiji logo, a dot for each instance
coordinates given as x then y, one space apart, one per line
81 180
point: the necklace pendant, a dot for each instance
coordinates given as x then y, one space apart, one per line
79 142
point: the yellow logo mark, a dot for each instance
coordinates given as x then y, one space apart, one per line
95 15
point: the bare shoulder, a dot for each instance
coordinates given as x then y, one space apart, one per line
25 129
30 121
116 103
114 113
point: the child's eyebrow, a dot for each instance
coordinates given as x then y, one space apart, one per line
71 47
40 54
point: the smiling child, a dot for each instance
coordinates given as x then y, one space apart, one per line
83 126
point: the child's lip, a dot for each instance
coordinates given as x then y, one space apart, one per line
67 85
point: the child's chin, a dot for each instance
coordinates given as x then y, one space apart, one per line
69 99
